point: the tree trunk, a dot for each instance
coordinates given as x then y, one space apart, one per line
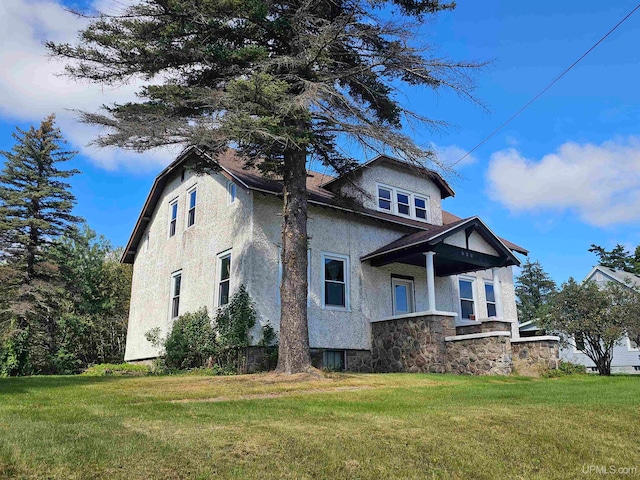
293 355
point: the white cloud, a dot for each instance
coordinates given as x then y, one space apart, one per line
31 87
450 156
599 183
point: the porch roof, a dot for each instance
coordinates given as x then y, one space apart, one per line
449 259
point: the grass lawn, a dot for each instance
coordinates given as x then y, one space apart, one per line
343 426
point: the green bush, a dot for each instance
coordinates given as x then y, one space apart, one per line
235 320
564 369
191 342
117 369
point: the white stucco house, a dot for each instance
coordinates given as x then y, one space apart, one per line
626 354
396 283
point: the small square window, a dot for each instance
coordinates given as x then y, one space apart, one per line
334 360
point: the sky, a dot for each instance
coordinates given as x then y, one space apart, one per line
563 175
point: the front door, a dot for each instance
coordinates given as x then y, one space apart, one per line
403 302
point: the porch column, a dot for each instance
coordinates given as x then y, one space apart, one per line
431 283
497 291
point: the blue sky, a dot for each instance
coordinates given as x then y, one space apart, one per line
563 175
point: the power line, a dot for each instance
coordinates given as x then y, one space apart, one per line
525 106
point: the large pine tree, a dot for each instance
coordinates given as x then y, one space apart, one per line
280 81
533 287
35 209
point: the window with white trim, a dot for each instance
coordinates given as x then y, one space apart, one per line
173 217
176 284
491 299
467 298
279 299
335 281
384 199
224 278
231 192
402 202
191 215
402 295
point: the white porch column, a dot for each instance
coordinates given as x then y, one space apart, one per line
431 283
497 291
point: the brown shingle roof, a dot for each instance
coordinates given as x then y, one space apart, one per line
251 178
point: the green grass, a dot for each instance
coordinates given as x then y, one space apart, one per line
342 426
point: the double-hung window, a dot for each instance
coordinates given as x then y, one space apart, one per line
191 215
491 299
402 202
384 199
224 278
335 281
176 281
173 217
467 299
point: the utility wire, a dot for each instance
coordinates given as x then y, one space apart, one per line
523 108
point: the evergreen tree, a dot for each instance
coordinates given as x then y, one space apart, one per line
35 209
280 81
533 289
618 258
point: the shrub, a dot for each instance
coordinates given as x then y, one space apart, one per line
117 369
236 319
191 342
564 369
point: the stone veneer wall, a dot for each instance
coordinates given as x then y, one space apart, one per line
479 356
534 357
411 344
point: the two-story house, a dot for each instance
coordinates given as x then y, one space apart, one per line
395 282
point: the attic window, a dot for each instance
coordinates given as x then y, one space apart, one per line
384 199
403 203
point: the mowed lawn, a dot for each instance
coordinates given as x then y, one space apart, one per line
341 426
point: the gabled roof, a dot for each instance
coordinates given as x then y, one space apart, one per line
435 234
625 278
233 168
435 177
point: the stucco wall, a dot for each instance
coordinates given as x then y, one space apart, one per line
476 242
218 227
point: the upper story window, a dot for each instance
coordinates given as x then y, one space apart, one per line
404 203
335 281
231 192
173 209
191 215
491 299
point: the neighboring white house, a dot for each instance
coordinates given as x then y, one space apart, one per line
626 355
388 254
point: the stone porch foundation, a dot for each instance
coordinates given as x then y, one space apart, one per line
431 343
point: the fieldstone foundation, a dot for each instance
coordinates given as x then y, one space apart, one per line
480 356
411 344
431 343
533 357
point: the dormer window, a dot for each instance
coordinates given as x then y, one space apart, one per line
403 203
384 198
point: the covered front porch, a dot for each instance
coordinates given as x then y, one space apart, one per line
472 334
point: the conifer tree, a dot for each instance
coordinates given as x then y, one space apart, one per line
279 80
35 209
534 287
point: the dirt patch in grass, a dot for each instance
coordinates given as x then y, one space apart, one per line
260 396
